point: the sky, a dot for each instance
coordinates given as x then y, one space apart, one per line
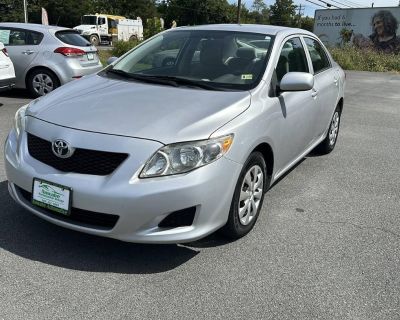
310 8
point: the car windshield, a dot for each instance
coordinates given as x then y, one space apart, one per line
89 20
209 59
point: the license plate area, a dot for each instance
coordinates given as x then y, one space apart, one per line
52 196
90 56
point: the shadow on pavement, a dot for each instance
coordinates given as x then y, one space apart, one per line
27 236
16 93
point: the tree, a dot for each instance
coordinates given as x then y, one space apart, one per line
195 12
259 12
11 11
283 13
307 23
258 6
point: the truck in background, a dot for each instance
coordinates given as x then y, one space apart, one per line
105 28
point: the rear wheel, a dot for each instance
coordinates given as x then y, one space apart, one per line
133 38
41 82
248 197
328 144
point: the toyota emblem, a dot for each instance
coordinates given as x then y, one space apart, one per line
62 148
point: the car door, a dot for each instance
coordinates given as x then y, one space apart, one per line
23 47
326 83
299 108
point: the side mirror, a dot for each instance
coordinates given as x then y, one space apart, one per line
297 81
111 60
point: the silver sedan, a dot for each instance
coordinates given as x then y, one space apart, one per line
46 57
168 152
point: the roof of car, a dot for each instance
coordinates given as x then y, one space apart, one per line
256 28
30 26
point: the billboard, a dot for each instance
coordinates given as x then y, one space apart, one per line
375 28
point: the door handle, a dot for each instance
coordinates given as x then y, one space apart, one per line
314 93
28 52
335 81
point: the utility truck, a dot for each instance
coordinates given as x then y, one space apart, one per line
105 28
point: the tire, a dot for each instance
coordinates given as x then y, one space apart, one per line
133 38
328 144
241 220
41 82
94 40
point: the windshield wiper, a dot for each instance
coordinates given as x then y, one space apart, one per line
166 80
139 77
185 81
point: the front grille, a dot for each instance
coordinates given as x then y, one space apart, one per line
79 217
83 161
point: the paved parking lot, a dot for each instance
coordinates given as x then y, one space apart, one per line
326 246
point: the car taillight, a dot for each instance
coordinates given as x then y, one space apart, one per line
5 52
70 52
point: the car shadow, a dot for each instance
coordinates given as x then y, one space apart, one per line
30 237
16 93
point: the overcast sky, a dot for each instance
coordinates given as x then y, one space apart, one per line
310 8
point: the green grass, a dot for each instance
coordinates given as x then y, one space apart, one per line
104 55
119 48
350 58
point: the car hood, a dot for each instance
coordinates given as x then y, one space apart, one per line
141 110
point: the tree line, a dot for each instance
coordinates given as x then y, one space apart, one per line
184 12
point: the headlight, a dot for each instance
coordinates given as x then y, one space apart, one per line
183 157
19 120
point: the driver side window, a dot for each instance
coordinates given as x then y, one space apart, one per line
292 58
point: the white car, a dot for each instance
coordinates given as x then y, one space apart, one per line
7 73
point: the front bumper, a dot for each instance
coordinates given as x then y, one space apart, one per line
140 203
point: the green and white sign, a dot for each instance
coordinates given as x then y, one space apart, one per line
51 196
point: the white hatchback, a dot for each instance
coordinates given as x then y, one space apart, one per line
7 73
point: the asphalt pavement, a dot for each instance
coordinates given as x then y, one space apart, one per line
326 245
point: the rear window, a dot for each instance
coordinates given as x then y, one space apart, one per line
72 38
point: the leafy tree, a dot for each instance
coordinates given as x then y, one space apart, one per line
259 12
283 13
195 12
307 23
11 11
153 27
145 9
258 6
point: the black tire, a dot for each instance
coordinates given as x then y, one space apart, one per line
234 228
133 38
328 144
41 82
94 40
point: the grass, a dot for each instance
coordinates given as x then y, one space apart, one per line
350 58
104 55
119 48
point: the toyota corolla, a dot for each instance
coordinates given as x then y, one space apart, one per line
178 138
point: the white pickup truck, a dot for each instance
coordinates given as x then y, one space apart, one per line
105 28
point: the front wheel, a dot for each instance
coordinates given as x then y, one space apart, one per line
94 40
328 144
248 197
